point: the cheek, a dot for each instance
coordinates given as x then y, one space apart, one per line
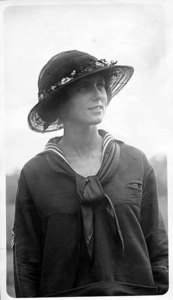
66 111
74 108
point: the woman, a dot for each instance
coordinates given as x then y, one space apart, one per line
87 221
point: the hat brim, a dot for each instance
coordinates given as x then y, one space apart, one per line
123 74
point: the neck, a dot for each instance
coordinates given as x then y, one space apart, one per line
81 140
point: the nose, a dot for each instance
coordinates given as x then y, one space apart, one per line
96 93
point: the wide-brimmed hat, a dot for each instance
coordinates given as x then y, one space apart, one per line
61 71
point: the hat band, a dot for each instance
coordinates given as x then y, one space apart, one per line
91 66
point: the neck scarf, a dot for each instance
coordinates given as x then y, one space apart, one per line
91 192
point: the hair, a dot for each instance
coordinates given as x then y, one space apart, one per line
108 89
50 110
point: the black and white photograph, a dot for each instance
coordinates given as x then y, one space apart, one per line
87 152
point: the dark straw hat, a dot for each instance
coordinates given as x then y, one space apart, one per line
61 71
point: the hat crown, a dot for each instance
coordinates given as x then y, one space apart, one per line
62 65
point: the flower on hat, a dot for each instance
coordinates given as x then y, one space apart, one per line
87 69
99 64
53 87
73 73
92 65
65 80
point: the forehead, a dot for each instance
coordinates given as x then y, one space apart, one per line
86 80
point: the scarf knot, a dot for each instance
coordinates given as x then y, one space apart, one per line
92 197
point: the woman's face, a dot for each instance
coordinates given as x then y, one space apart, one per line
87 101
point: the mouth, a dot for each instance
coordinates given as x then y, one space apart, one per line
96 108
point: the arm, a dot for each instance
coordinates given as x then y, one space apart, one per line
154 231
27 250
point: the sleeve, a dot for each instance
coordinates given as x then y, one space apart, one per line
154 231
27 249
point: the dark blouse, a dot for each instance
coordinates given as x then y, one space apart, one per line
94 236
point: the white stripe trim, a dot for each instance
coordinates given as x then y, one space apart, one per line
105 138
108 138
52 147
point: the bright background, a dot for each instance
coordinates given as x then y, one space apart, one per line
134 34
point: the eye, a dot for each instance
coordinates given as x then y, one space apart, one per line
101 84
83 87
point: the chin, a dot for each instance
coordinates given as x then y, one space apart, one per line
87 121
96 121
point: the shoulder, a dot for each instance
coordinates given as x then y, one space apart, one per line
131 151
35 165
134 157
39 162
31 166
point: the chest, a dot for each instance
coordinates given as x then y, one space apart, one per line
54 190
88 166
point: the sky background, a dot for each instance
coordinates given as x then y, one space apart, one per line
135 34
